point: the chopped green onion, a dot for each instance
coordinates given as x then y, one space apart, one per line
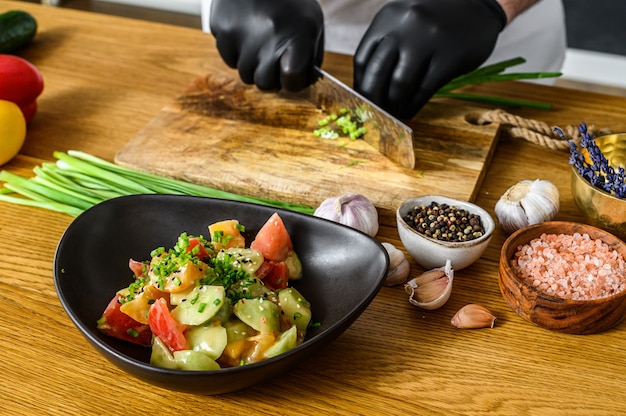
79 180
132 332
217 236
195 299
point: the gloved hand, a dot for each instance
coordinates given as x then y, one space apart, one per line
273 43
414 47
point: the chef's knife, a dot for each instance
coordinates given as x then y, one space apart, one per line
390 136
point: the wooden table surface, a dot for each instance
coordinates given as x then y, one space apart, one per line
105 79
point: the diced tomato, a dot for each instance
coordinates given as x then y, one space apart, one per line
278 275
273 240
202 251
263 270
170 331
119 325
136 267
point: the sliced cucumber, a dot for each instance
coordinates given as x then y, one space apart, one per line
261 314
245 259
177 297
296 309
294 265
286 341
161 355
249 288
210 340
194 360
202 303
223 315
236 330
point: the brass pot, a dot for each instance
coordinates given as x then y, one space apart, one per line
599 207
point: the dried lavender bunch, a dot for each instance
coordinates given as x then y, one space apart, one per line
598 172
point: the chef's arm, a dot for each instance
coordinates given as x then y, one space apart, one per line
512 8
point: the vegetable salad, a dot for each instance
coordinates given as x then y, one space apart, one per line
209 304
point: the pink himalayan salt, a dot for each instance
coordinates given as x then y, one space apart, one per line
570 266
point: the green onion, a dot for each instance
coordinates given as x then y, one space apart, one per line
195 299
493 73
78 180
133 332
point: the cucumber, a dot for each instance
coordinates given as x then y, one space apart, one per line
296 309
294 265
161 355
194 360
261 314
236 330
286 341
245 259
202 303
17 29
210 340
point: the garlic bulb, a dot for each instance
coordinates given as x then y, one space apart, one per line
398 266
353 210
431 289
473 316
527 203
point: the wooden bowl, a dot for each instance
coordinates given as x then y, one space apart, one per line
554 313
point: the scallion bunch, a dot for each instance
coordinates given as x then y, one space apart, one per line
494 73
79 180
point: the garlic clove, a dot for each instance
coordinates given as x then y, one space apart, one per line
399 266
473 316
353 210
395 255
431 290
435 296
428 276
526 203
398 275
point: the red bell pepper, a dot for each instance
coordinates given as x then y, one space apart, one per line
21 83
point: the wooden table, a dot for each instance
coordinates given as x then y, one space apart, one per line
106 78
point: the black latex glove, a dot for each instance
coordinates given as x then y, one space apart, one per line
273 43
414 47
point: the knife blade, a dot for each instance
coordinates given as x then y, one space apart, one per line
387 134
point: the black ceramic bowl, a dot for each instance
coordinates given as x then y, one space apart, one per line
343 271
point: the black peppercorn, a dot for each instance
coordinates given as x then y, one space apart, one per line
444 222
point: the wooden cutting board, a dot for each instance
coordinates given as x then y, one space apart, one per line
233 137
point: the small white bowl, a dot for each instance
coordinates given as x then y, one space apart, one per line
431 253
